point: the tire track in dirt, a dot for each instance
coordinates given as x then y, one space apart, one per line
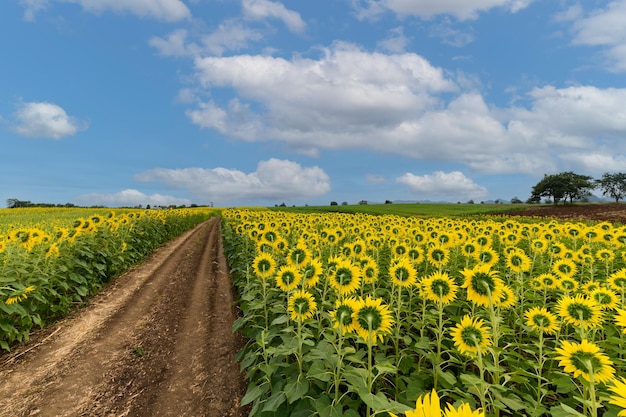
157 343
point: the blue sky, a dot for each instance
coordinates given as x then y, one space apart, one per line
259 102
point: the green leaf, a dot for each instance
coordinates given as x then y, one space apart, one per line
324 407
273 402
564 411
386 368
280 320
253 393
297 389
319 372
446 376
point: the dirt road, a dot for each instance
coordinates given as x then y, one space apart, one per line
156 342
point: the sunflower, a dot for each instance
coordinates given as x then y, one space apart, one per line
342 315
580 311
487 256
546 281
620 319
617 280
541 320
19 295
371 319
605 255
589 287
428 406
299 254
517 261
606 298
415 254
507 297
618 388
312 270
568 284
438 255
471 336
301 305
369 268
483 285
402 272
358 247
539 245
264 265
346 277
470 249
439 288
564 268
585 359
288 277
464 410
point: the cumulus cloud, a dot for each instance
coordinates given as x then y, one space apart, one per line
263 9
426 9
346 93
44 120
398 103
273 180
131 198
165 10
452 185
603 28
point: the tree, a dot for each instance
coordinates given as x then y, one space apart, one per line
15 203
563 186
333 203
516 200
613 185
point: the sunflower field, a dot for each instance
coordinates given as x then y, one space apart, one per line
358 315
52 259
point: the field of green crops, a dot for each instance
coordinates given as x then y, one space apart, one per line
51 260
360 315
425 209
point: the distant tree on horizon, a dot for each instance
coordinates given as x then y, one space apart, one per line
613 185
563 186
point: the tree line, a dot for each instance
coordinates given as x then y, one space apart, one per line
568 186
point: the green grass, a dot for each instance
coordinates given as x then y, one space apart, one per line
425 209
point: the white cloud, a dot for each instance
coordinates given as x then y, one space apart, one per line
449 35
604 28
328 102
31 7
165 10
597 163
426 9
273 180
230 35
174 44
453 185
399 103
263 9
44 120
580 111
131 198
396 42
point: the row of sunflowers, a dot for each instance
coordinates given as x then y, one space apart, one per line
52 259
356 315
